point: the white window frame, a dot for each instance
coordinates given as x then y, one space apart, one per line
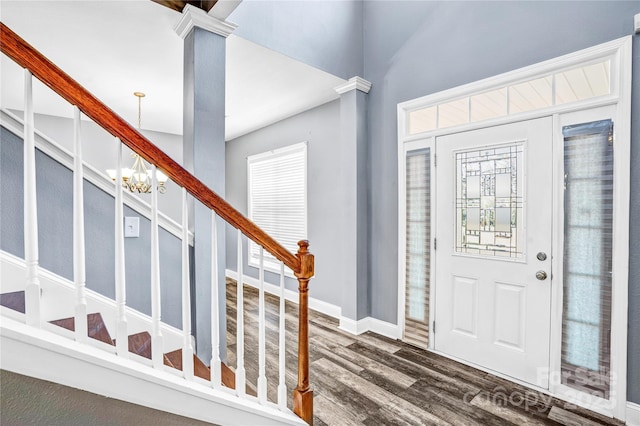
270 156
620 53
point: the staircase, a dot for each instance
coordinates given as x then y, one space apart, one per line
56 329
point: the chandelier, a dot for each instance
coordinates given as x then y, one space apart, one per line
138 177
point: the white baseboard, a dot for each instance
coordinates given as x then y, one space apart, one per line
370 324
346 324
633 414
315 304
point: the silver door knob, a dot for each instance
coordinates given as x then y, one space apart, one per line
541 275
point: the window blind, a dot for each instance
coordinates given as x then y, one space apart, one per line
277 183
418 248
588 236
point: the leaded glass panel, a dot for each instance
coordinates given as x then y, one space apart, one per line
489 200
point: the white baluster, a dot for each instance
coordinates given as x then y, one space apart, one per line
282 387
240 371
122 339
187 346
79 270
215 364
157 354
32 289
262 377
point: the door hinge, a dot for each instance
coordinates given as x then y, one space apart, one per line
435 160
435 243
433 328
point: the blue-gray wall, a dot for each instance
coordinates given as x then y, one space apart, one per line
324 34
325 180
55 233
413 49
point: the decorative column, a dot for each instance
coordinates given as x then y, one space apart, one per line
354 153
204 156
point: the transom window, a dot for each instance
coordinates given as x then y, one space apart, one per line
558 88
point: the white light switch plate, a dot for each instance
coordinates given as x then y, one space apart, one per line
636 23
131 227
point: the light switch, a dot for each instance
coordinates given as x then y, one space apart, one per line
131 227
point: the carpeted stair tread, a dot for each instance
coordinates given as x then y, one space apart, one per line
96 328
13 300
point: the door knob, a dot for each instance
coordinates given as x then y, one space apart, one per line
542 256
541 275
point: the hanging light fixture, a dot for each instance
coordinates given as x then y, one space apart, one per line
138 178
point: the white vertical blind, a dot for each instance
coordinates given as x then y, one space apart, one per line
278 198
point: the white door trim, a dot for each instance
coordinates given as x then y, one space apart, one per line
620 52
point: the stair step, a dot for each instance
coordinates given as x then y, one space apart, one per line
140 344
96 328
174 359
13 300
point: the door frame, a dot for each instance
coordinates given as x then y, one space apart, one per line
619 100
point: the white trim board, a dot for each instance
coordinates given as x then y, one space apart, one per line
633 414
346 324
290 295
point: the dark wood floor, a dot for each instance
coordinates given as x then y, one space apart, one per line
372 380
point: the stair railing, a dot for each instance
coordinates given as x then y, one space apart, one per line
302 263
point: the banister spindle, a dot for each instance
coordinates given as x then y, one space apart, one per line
215 364
32 289
303 394
122 338
282 386
79 269
262 375
187 345
240 371
157 353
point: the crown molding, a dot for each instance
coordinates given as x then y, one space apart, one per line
194 17
357 83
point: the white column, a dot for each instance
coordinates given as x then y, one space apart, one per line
262 377
215 364
122 338
32 289
240 371
282 387
157 354
79 270
187 345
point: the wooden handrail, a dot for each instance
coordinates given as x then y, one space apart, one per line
302 263
73 92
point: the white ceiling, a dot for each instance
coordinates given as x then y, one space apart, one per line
114 48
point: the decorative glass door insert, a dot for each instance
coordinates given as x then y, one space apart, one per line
489 200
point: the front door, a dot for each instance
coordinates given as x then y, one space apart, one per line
493 252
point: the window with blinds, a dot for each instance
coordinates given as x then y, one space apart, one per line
588 235
418 250
277 187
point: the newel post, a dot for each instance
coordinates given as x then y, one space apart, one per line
303 394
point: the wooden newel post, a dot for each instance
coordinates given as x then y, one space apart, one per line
303 394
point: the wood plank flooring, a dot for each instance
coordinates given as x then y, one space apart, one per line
372 380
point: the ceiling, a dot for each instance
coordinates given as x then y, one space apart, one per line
115 48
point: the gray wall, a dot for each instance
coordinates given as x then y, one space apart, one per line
414 49
326 222
324 34
55 233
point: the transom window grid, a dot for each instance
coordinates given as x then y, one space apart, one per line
489 202
558 88
277 193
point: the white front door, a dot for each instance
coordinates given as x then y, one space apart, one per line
493 254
